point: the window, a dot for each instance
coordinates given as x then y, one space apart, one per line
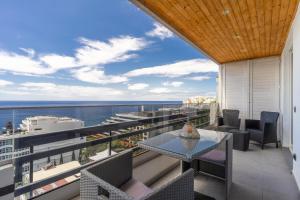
25 168
6 150
5 142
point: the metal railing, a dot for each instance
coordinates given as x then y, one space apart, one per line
29 141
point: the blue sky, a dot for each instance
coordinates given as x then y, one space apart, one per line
95 50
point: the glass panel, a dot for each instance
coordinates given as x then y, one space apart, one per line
41 120
186 149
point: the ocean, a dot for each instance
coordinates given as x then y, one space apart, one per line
90 115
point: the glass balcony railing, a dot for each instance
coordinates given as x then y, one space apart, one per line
48 146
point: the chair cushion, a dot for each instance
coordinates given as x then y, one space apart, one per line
215 155
155 168
225 128
254 131
256 134
135 189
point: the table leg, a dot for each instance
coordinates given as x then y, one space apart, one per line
198 196
185 166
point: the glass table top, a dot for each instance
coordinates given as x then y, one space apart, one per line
186 149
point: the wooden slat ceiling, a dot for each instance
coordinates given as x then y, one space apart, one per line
228 30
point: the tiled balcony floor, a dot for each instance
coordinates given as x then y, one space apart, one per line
257 175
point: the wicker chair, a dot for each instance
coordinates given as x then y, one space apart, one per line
112 179
263 131
229 121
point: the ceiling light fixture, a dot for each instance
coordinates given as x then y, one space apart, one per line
226 12
236 36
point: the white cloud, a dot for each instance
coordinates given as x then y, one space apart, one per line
94 52
51 91
137 86
97 75
37 86
160 90
29 51
160 31
90 53
199 78
180 68
4 83
57 62
173 83
13 62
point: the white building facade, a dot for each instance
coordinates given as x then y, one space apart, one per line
41 125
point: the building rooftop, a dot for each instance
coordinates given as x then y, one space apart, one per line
101 155
45 173
47 117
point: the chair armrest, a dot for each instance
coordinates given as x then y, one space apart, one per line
94 188
269 132
109 170
182 187
252 124
220 121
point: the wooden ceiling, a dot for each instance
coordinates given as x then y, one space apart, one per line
227 30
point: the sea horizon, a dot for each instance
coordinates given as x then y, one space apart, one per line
90 115
19 103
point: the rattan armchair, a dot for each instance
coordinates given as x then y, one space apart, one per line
112 179
263 131
230 120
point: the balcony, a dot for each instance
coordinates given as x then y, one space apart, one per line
257 174
52 160
255 43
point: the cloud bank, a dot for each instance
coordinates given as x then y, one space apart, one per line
176 69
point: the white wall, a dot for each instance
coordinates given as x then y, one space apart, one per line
286 74
250 86
264 86
296 95
235 87
290 90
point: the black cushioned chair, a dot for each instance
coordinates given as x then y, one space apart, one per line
229 121
264 131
